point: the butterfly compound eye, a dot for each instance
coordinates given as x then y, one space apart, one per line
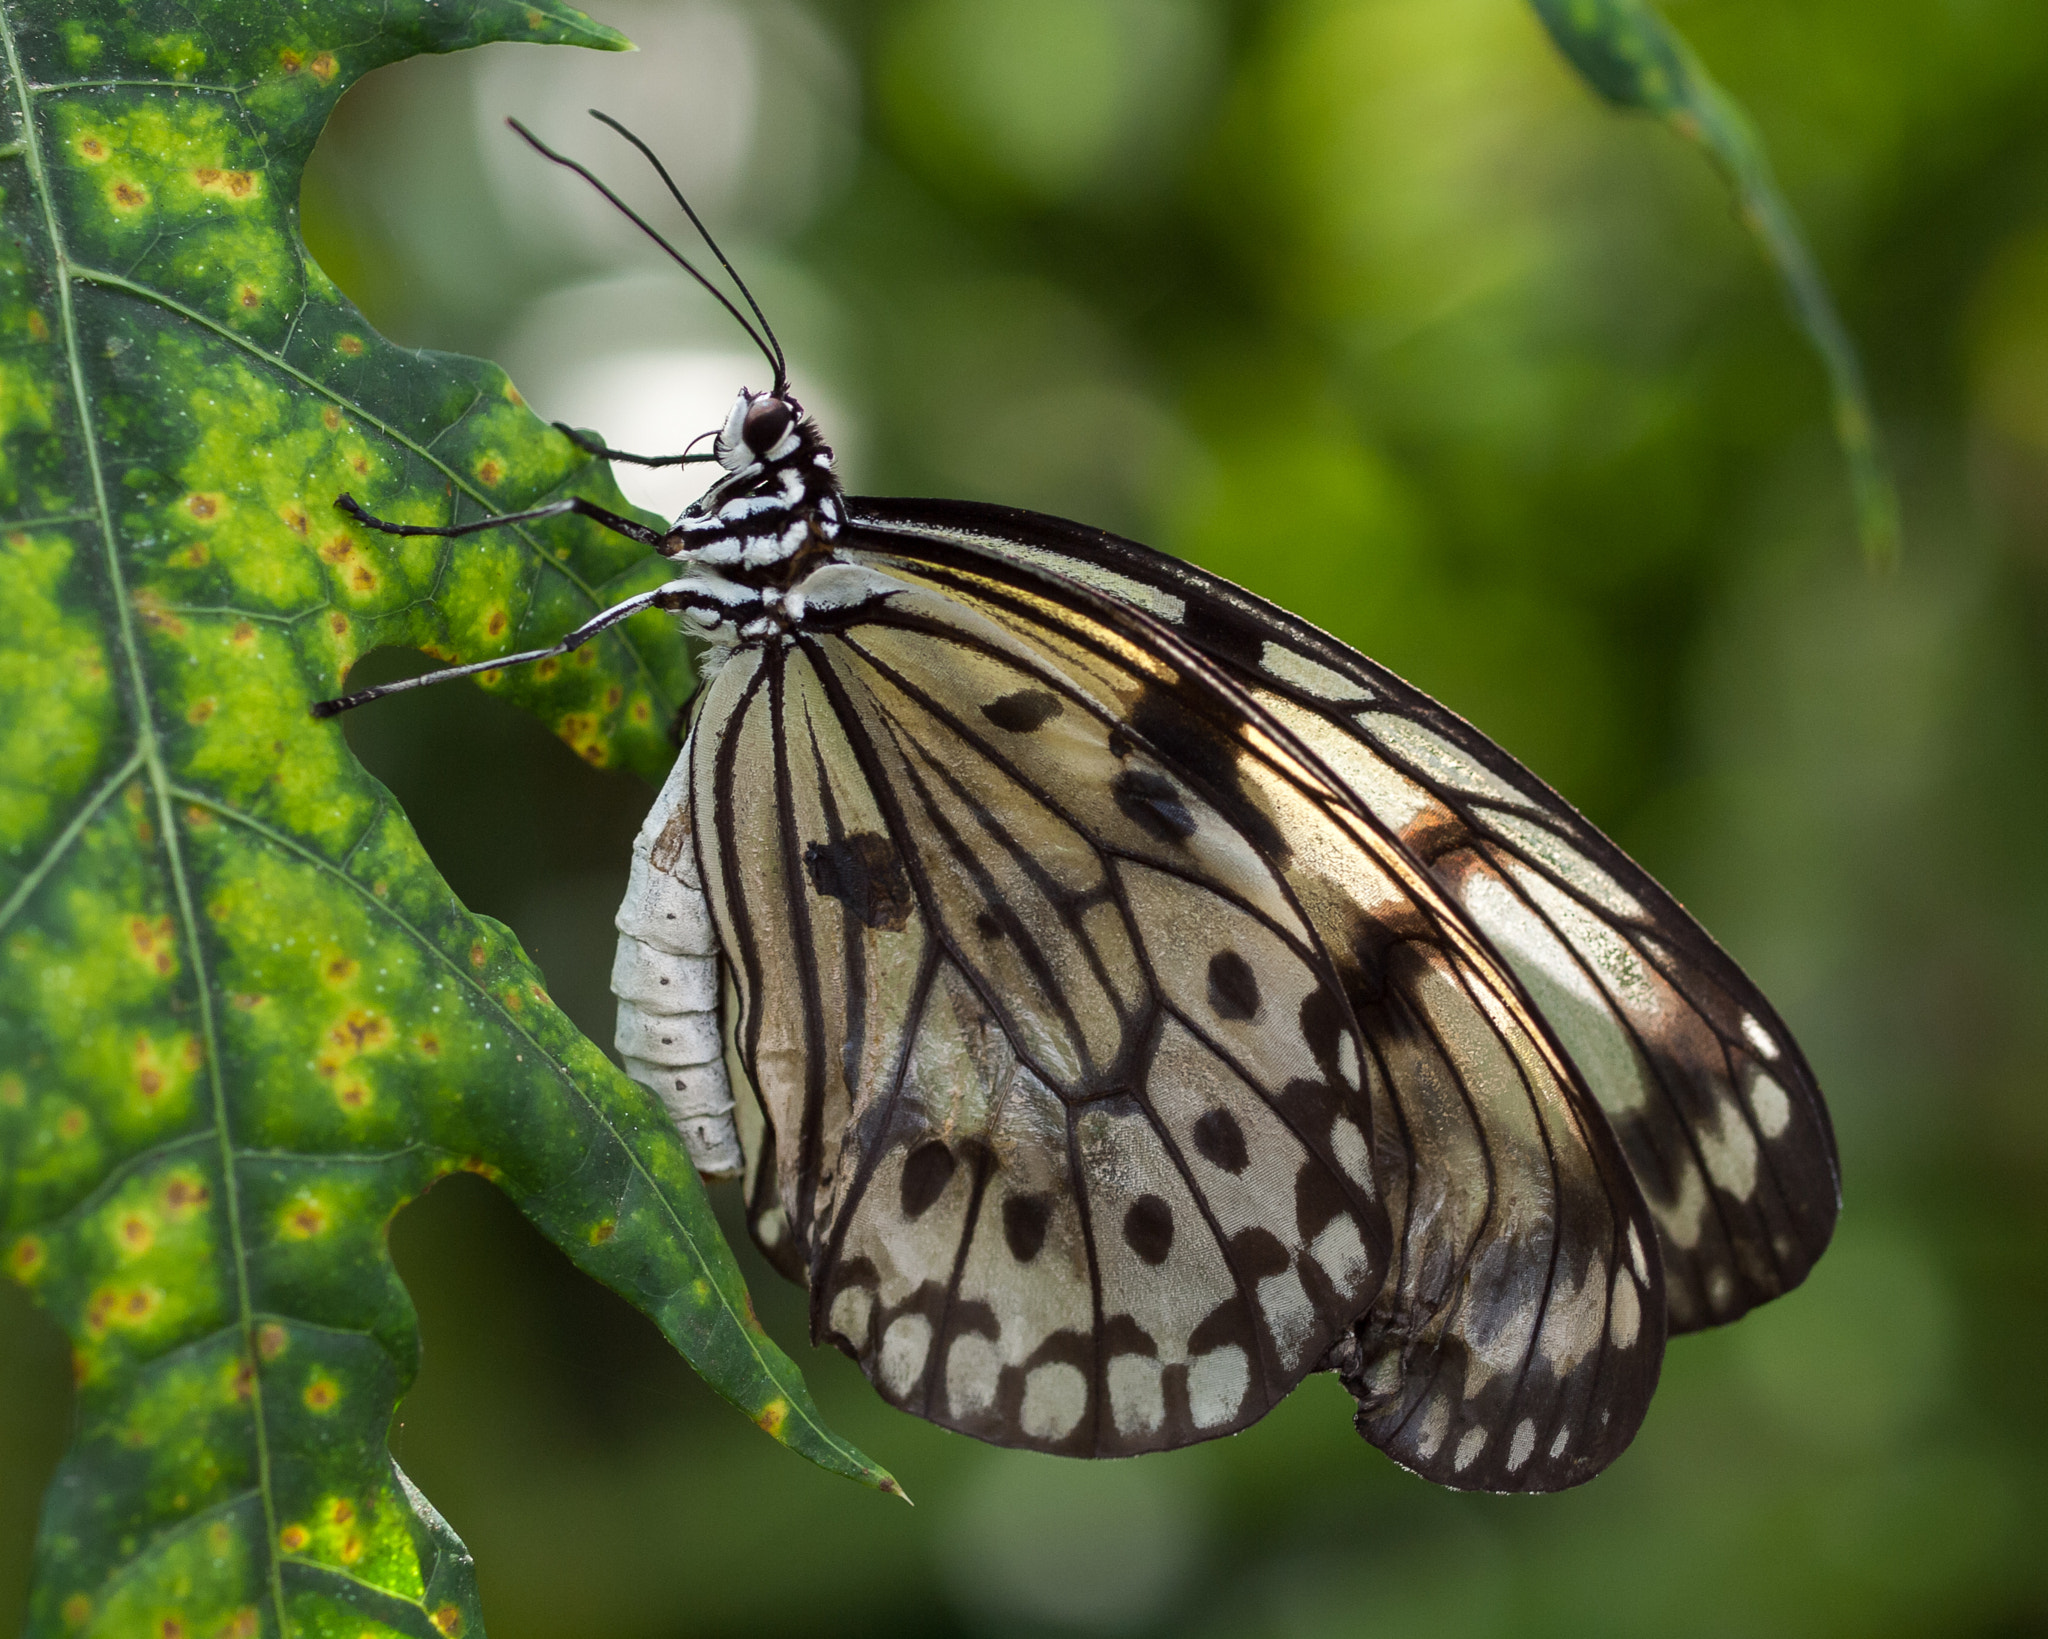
766 422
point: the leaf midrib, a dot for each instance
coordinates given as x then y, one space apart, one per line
149 747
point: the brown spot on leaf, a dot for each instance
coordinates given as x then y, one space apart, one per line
612 697
38 326
430 1044
200 710
449 1620
476 954
322 1394
25 1259
291 61
184 1195
337 549
136 1232
489 470
603 1230
271 1340
205 507
244 1624
249 296
323 66
497 623
149 604
340 969
330 418
361 465
306 1219
92 148
128 196
293 1539
243 635
337 623
350 344
545 669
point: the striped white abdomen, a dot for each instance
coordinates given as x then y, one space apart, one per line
666 979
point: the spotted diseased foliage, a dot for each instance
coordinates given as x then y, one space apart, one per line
242 1020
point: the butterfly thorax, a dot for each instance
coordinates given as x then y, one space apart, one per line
766 524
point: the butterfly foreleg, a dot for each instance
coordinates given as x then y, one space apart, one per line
576 504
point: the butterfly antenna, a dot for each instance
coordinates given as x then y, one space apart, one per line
772 354
697 222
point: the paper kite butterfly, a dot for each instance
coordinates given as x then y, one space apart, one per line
1124 1000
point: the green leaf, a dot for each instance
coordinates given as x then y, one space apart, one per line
1627 52
242 1019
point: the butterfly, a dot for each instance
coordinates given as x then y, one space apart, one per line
1121 1000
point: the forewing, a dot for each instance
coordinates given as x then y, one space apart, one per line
1062 1164
1517 1339
1715 1108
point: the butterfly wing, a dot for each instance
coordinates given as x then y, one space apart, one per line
1057 1178
1715 1107
1516 1340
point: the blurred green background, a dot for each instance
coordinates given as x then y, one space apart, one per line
1369 305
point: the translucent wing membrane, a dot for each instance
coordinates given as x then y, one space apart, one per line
1518 1336
1714 1107
1063 1099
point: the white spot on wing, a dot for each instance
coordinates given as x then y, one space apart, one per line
1625 1319
1348 1143
1216 1385
1729 1149
1637 1257
1523 1446
1470 1444
1342 1254
1055 1395
1347 1060
1557 1445
1136 1399
1291 666
1436 1423
851 1311
1290 1317
1758 1037
971 1368
1772 1108
904 1347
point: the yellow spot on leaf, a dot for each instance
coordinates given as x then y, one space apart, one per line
27 1258
476 954
136 1233
489 470
38 326
271 1340
545 669
340 1511
243 635
330 418
149 604
639 710
497 623
603 1230
772 1416
354 1095
92 148
449 1620
228 184
351 1549
77 1611
338 970
200 710
352 345
337 549
153 943
337 623
184 1194
322 1394
206 507
128 196
293 1539
306 1217
71 1125
323 66
249 296
430 1044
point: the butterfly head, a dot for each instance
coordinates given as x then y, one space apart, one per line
777 495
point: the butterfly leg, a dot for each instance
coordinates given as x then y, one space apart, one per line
675 595
591 446
576 504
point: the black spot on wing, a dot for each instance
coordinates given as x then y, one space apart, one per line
1154 804
926 1171
1221 1141
1024 711
1208 750
1233 987
864 873
1025 1219
1318 1198
1148 1229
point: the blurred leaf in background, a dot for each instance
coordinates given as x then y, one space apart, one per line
1405 329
